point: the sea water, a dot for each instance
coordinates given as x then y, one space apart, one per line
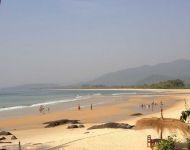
17 101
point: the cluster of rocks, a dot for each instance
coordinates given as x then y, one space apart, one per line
77 124
73 123
112 125
4 135
51 124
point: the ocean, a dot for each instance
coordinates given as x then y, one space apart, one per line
21 101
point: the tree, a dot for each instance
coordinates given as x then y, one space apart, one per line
186 113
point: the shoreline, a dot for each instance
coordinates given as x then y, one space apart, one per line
84 101
30 129
117 108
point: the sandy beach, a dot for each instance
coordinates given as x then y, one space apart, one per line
31 133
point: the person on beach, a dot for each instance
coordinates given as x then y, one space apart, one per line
147 106
48 109
91 106
78 107
41 109
142 106
161 109
152 105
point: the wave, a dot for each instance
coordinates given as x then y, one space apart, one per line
12 108
43 103
97 94
117 94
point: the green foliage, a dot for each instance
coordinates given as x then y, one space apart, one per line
188 143
166 144
185 115
170 84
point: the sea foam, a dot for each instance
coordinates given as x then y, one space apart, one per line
44 103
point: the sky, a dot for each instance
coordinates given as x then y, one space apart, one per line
71 41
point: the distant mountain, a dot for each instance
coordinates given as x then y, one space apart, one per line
179 69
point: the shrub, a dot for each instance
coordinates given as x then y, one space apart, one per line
168 144
188 143
185 115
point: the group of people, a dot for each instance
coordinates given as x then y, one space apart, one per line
79 108
43 109
149 106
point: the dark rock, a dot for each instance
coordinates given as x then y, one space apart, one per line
13 137
2 138
136 114
112 125
81 126
72 126
51 124
5 133
75 126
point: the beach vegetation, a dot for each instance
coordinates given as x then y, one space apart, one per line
168 84
166 145
188 143
185 115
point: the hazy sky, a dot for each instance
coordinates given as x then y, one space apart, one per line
67 41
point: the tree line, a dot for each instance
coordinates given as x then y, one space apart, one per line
169 84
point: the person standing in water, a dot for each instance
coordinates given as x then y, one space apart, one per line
91 106
48 109
78 106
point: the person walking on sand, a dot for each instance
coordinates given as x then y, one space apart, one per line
41 109
78 107
48 109
91 106
161 109
152 105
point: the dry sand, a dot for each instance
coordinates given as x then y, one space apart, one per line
32 134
